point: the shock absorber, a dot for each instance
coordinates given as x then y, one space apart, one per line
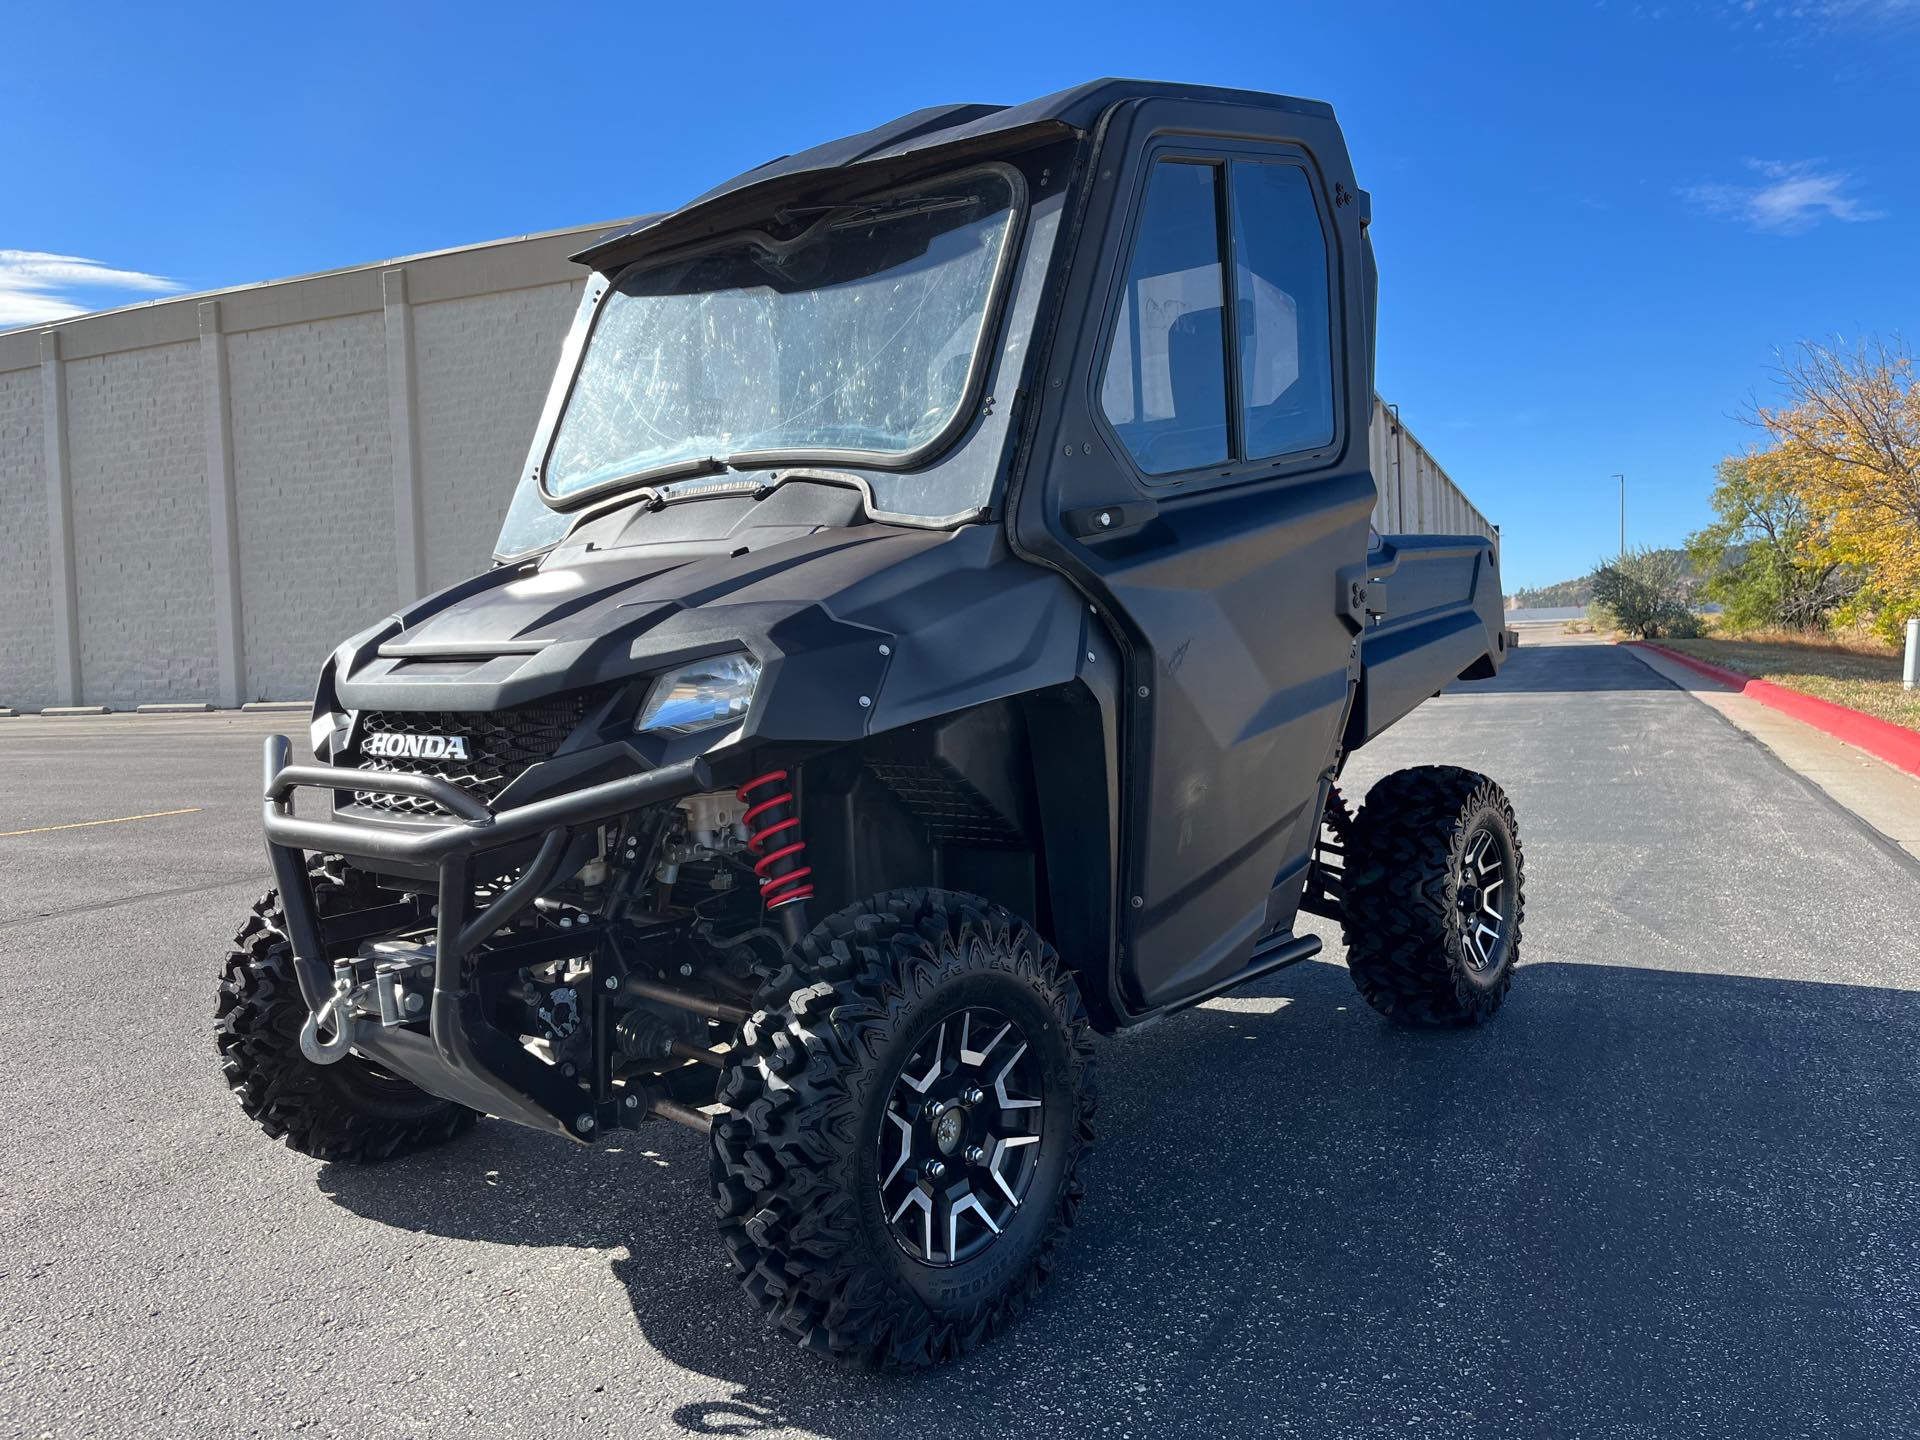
773 837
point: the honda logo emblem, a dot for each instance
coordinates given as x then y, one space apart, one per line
391 746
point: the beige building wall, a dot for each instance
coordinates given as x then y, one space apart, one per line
476 417
314 483
26 606
200 497
1417 497
138 476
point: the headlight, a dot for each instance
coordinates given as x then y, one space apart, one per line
707 692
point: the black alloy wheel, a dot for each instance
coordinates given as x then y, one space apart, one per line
961 1145
1485 898
906 1117
1435 895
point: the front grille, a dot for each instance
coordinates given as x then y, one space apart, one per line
500 745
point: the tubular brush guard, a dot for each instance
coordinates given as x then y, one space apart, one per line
464 1057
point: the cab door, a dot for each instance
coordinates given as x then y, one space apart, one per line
1207 486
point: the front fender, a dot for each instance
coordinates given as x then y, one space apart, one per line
972 623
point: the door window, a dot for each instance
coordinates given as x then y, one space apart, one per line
1284 331
1165 386
1168 389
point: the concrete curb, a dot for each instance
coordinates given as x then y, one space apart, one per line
174 707
60 710
6 712
1895 744
259 705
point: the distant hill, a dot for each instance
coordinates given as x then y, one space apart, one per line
1552 597
1575 592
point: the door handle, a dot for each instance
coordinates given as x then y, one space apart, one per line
1091 521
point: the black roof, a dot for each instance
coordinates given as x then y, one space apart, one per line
957 128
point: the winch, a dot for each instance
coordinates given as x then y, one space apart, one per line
391 980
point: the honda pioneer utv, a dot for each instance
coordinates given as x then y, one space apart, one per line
933 617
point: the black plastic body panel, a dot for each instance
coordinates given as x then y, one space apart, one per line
859 628
1239 664
940 135
1442 620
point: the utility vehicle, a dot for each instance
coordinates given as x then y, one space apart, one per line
936 608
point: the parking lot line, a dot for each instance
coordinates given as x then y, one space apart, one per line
116 820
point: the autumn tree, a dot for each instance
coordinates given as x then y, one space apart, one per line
1765 559
1852 420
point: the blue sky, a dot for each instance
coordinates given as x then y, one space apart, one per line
1596 223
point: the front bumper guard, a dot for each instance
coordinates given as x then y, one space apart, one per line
463 1057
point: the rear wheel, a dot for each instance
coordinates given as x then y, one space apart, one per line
907 1121
1434 896
347 1112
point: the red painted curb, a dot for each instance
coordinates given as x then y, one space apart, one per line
1892 743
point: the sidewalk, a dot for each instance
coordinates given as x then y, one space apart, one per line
1886 798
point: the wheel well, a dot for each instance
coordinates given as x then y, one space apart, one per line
1008 800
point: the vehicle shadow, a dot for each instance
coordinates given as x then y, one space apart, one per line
1544 667
1641 1202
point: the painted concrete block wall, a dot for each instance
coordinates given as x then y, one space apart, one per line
137 461
1417 497
313 477
231 483
483 364
26 610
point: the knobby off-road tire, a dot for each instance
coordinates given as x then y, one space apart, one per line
1435 893
797 1163
348 1112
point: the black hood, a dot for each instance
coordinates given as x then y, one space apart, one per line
584 616
858 626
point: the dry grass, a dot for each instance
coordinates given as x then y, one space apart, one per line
1856 671
1850 642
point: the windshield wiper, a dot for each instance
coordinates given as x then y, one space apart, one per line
641 480
735 482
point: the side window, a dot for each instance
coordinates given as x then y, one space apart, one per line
1282 325
1165 386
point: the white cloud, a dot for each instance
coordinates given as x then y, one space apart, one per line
1795 196
37 288
1796 22
1837 11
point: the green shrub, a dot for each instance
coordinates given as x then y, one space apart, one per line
1645 592
1684 626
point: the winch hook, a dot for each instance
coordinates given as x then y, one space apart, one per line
337 1008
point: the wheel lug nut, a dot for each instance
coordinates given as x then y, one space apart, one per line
975 1095
976 1155
934 1170
936 1109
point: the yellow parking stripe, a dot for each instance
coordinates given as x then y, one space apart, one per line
83 824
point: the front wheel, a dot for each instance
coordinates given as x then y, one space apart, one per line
348 1112
1435 893
908 1116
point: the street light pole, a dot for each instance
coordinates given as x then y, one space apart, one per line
1623 513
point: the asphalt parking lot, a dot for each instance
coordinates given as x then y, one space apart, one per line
1673 1190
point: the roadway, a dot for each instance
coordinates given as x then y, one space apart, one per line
1672 1190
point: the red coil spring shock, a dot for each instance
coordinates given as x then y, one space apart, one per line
775 820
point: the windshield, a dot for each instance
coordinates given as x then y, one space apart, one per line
854 339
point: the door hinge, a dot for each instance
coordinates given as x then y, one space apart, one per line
1361 599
